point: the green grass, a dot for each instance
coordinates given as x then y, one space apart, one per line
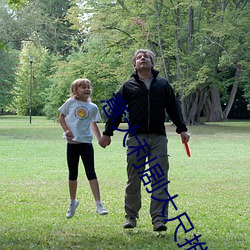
213 188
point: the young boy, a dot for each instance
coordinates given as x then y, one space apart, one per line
78 116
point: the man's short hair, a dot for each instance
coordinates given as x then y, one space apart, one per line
148 52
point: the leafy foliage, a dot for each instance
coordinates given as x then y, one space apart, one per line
192 40
198 45
32 79
8 65
17 4
92 65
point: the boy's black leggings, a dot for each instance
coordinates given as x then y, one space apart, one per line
86 151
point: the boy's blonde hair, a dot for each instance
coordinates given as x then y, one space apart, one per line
77 83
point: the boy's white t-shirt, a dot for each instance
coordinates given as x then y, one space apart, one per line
78 116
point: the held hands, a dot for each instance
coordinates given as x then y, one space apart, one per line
104 141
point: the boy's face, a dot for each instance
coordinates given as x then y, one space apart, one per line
83 91
143 61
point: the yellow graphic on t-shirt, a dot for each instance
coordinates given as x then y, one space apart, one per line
81 112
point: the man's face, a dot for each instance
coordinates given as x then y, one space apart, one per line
143 61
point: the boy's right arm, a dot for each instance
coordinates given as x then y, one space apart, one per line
62 121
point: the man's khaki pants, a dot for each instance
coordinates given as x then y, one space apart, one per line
153 149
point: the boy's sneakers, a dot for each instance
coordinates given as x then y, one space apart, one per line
100 209
72 208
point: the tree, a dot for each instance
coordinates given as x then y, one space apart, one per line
189 58
17 4
32 22
201 47
91 63
9 60
192 40
39 80
7 78
45 19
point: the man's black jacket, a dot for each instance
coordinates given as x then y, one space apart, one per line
147 107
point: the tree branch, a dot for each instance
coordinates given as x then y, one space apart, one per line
123 5
122 31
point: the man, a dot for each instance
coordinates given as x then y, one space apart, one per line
148 97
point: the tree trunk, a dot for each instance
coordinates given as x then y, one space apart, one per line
192 112
160 40
213 110
196 102
232 93
203 95
190 28
178 42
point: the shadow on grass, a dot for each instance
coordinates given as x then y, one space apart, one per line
131 239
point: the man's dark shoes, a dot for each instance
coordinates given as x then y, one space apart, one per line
159 226
130 223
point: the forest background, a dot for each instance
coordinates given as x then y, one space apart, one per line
202 48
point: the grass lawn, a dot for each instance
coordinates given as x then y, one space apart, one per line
212 187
